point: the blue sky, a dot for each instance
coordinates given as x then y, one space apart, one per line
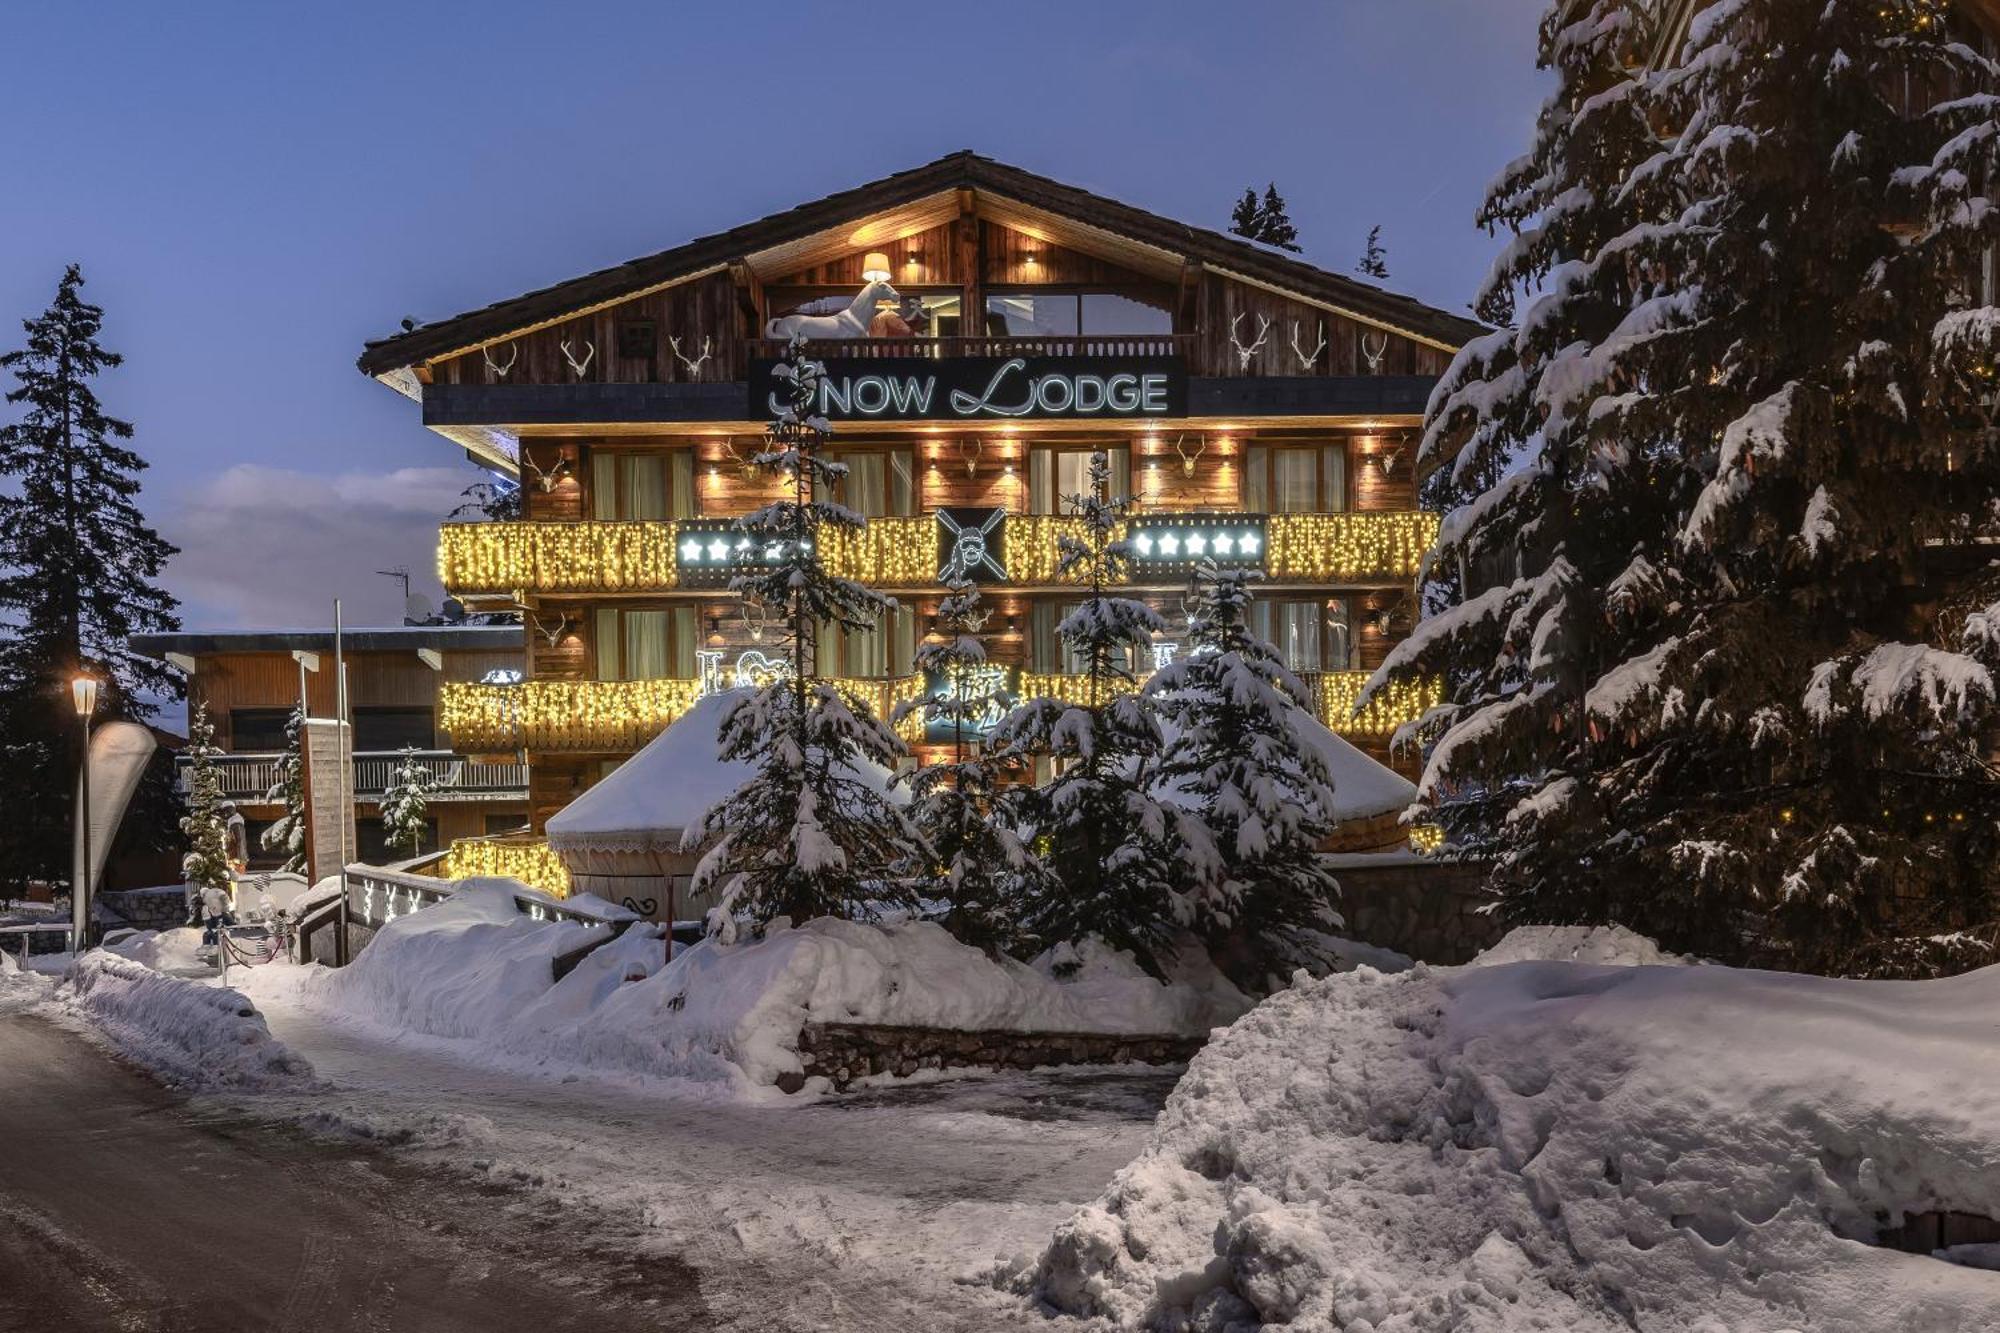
255 189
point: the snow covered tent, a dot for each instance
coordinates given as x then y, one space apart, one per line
621 840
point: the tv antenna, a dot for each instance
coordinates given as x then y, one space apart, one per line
401 572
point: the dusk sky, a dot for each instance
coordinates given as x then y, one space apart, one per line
254 190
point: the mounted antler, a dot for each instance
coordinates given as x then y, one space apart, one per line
1187 459
1375 356
497 371
545 481
552 635
970 450
746 465
1307 360
1243 354
577 367
694 366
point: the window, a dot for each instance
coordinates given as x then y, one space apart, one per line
1055 474
880 483
380 728
936 316
1052 314
1051 652
882 653
252 730
650 644
1295 479
1309 636
641 486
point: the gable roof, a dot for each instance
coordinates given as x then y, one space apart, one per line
963 170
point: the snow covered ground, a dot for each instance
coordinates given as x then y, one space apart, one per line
1560 1145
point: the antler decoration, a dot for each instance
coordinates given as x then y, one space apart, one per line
497 371
552 635
693 366
1243 354
577 367
1187 459
755 623
1387 460
970 450
1307 360
546 481
745 466
1375 355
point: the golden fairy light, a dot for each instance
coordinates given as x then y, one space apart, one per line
531 862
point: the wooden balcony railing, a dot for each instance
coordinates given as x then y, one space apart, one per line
249 777
643 557
872 349
1333 696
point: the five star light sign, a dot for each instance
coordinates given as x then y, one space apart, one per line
1187 539
709 552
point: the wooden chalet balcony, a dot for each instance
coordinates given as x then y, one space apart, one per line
595 716
609 558
617 717
874 349
249 777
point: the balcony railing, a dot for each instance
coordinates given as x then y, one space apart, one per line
596 716
872 349
644 557
617 717
250 777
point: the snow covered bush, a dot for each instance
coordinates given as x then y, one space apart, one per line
1559 1146
806 836
406 804
287 833
1742 406
206 827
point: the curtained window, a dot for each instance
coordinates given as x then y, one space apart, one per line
1056 474
1295 479
645 644
650 486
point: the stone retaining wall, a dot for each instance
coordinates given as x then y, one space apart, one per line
1429 910
843 1052
146 909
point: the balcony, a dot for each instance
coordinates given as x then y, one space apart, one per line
875 349
595 716
617 717
609 558
248 778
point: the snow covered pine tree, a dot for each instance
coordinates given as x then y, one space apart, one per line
1255 804
1746 415
986 872
1105 833
206 824
405 803
287 832
807 836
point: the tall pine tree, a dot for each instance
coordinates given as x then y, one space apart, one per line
406 805
78 575
205 827
287 833
1746 412
1374 262
985 872
1275 222
1102 832
1256 802
1246 218
808 835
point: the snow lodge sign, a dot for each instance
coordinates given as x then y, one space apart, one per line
987 387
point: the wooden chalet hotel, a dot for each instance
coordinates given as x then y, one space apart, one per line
985 329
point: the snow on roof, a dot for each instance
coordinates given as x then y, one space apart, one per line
1362 787
665 787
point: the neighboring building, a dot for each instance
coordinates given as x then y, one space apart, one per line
250 681
984 329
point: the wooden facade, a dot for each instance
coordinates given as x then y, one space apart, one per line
1239 321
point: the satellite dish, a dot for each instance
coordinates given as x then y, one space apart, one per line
454 610
417 610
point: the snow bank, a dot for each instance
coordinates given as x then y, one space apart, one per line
186 1033
176 950
474 968
1553 1145
1612 945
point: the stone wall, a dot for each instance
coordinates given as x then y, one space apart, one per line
843 1052
1429 910
144 909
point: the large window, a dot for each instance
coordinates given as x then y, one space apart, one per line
1309 635
645 644
1295 478
379 727
1042 313
882 653
880 483
257 729
641 485
1056 474
917 313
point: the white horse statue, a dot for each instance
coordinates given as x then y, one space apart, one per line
850 323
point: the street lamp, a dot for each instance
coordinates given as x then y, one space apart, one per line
83 692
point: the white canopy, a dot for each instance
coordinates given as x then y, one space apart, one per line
664 788
1363 788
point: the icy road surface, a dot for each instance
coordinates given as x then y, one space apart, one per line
881 1210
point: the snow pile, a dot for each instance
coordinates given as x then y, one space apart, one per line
176 950
19 988
1554 1145
1612 945
187 1033
475 968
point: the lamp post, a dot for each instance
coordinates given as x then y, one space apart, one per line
83 692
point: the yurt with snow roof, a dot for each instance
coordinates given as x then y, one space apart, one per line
621 840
